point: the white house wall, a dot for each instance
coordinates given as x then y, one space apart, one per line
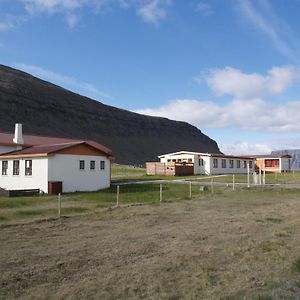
228 170
65 168
38 179
207 167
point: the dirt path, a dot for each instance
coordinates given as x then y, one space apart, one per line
202 249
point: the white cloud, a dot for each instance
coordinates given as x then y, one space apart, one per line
244 148
51 6
71 83
275 28
153 11
6 26
72 20
233 82
247 110
204 8
254 115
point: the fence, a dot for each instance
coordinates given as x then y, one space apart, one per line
22 209
37 207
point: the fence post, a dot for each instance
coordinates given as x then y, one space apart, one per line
233 187
248 175
59 205
190 190
264 176
212 185
160 193
118 194
259 176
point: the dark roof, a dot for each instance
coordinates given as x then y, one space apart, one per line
49 149
43 141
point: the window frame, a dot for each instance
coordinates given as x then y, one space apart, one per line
231 164
224 163
16 167
102 165
81 165
4 170
28 169
238 164
215 163
92 165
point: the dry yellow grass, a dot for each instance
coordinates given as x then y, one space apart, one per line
242 245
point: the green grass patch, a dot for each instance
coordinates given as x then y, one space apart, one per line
297 265
264 297
74 210
35 213
2 218
274 220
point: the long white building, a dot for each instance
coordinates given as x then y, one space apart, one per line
209 163
34 162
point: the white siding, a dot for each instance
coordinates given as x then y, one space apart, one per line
228 170
65 168
207 167
38 179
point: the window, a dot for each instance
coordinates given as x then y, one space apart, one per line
215 163
223 163
231 163
4 167
245 164
238 164
81 165
190 160
16 167
102 165
92 165
250 164
201 162
28 167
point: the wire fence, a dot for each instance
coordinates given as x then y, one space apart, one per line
21 209
37 207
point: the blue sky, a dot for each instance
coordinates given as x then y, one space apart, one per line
231 67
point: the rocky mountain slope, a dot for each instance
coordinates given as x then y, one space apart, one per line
46 109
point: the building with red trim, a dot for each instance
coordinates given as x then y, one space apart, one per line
37 162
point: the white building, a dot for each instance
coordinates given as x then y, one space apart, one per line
33 162
208 163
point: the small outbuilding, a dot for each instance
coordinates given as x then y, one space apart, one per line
188 163
52 164
273 163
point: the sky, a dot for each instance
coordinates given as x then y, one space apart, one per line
231 68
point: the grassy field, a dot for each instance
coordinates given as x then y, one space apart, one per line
125 173
221 245
26 209
121 173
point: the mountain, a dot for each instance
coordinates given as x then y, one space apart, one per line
47 109
295 160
